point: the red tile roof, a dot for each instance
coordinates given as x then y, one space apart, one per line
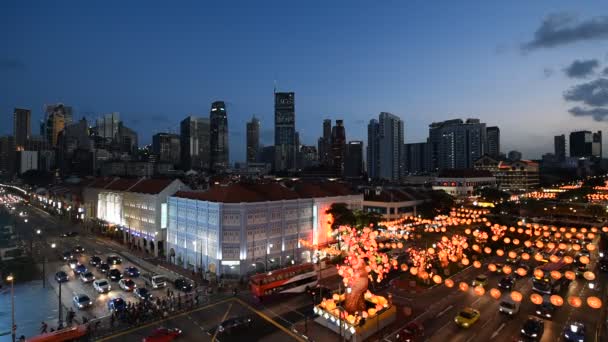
262 192
100 183
464 173
122 184
151 186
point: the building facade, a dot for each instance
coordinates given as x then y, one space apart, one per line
559 142
586 144
393 203
284 131
416 158
353 161
462 183
241 228
22 127
493 141
253 140
338 147
166 147
218 125
373 149
194 143
456 144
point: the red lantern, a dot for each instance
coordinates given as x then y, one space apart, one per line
536 298
594 302
575 301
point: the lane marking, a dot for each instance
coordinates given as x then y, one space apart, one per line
498 330
270 320
223 319
471 338
444 311
128 331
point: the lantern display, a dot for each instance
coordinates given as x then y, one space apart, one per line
594 302
516 296
536 298
575 301
495 293
556 300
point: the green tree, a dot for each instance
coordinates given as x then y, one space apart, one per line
440 202
492 194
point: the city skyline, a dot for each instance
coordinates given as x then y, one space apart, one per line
489 75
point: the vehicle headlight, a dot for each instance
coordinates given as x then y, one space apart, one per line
523 331
465 324
90 303
534 335
80 305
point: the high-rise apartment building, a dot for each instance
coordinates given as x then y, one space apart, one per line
166 146
456 144
22 128
493 141
353 160
559 142
194 143
324 145
253 140
416 158
7 155
385 147
218 118
284 131
65 111
55 123
338 145
586 144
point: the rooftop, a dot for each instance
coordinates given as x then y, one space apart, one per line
464 173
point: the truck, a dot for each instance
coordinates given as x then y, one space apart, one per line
156 281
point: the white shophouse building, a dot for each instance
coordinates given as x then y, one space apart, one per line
236 229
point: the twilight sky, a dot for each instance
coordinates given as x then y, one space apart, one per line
534 68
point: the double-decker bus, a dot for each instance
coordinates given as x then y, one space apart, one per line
75 333
547 284
293 279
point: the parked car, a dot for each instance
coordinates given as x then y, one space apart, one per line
61 277
94 260
117 304
82 301
114 260
132 272
143 293
80 268
102 285
183 284
163 335
87 277
127 284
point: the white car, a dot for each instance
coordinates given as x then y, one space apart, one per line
509 307
102 285
82 301
87 277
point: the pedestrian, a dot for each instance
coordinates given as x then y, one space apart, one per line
43 328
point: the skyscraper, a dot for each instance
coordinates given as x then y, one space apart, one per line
560 147
218 119
253 140
22 129
373 149
284 131
66 112
55 123
167 147
493 141
456 144
194 143
353 160
416 157
338 145
585 144
325 144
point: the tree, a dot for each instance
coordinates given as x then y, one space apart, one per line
440 202
341 214
492 194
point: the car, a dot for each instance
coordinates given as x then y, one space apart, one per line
61 277
114 274
533 328
594 285
82 301
508 306
143 293
78 249
574 332
73 262
603 263
127 284
155 280
80 268
132 272
87 277
67 255
545 310
103 267
69 234
114 260
413 332
499 267
232 325
507 283
467 317
94 260
480 280
102 285
163 335
117 304
183 284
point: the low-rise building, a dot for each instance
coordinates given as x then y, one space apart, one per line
393 203
241 228
463 182
515 176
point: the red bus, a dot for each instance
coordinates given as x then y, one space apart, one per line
294 279
68 334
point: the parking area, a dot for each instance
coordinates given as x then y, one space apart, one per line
202 325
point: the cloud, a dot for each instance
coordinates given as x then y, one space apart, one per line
581 69
593 93
548 72
605 72
563 28
11 64
597 113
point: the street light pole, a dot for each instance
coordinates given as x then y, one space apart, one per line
13 327
60 321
